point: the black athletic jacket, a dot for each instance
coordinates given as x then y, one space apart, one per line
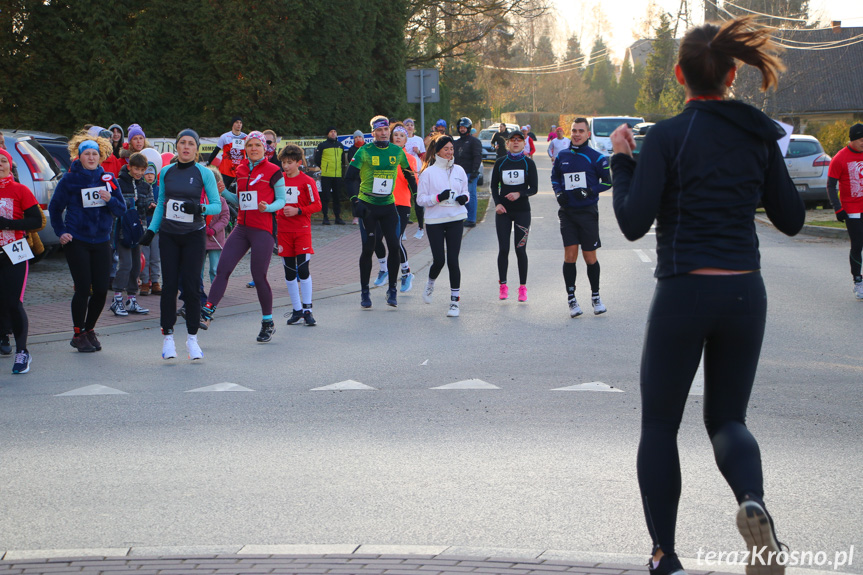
700 175
506 169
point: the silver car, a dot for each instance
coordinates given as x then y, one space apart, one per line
807 165
38 171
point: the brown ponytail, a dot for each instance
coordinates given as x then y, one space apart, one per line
708 52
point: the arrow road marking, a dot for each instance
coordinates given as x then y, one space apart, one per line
468 384
347 385
224 386
590 386
94 389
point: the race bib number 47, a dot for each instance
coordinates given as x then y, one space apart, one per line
18 251
382 187
173 211
249 200
90 197
574 180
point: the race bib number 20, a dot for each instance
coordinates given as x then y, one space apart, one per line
249 200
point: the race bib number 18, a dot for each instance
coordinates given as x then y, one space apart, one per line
18 251
249 200
91 198
382 187
172 209
574 180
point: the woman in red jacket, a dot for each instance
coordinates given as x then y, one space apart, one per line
260 193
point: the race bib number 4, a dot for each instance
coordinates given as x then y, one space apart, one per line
18 251
513 177
292 195
173 211
574 180
90 197
249 200
382 187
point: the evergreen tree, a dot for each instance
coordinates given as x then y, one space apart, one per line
627 88
573 50
658 69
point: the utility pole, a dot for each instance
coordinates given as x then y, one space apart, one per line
711 14
683 16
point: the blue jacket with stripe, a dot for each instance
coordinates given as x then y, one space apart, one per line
569 166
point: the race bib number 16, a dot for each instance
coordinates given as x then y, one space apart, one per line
90 197
574 180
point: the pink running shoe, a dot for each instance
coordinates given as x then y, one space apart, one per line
522 293
504 291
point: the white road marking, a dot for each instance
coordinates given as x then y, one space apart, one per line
590 386
224 386
426 362
347 385
698 381
94 389
468 384
644 257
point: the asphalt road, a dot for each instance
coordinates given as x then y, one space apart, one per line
520 466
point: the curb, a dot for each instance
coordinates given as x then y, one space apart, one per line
809 230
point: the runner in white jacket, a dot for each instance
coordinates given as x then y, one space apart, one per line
443 192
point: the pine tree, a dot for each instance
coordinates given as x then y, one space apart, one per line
658 69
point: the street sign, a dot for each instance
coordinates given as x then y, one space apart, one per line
425 83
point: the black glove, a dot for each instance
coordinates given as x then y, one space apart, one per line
582 193
841 215
461 199
360 209
147 238
443 196
561 199
474 175
4 223
192 208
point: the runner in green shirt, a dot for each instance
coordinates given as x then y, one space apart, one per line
371 178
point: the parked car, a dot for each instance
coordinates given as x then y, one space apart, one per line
37 170
56 144
642 128
601 128
807 165
485 135
639 141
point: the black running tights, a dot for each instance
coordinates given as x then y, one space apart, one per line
90 266
504 223
855 233
182 260
723 316
13 278
388 218
448 234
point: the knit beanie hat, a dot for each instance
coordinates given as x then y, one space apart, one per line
135 130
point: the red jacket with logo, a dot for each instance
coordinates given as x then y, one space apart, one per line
262 180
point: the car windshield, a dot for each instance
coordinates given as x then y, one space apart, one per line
486 134
802 148
604 127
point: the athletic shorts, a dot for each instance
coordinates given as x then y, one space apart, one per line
293 244
580 227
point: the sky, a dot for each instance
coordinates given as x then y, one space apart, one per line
624 15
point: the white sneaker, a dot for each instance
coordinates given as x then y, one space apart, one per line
169 350
118 308
193 347
574 308
598 306
427 294
858 290
419 234
453 309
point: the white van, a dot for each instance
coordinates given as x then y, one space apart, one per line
601 128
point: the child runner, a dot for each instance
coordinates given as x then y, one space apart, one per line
295 233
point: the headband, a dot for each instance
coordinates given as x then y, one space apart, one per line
380 123
87 145
400 129
192 134
441 142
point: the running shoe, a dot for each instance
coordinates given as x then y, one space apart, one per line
427 294
207 312
365 299
193 347
169 350
340 222
325 222
574 308
296 315
203 323
181 312
407 282
391 298
668 565
858 290
94 341
309 319
453 308
382 278
81 342
132 306
419 234
118 308
598 306
5 345
504 291
268 328
251 284
22 362
522 293
756 527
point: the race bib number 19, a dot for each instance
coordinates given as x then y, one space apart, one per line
513 177
574 180
172 208
90 197
249 200
18 251
292 194
382 187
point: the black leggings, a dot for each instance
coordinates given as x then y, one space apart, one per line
182 258
503 223
404 214
13 278
855 233
388 219
450 234
723 316
90 266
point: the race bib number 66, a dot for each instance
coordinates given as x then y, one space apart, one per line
574 180
174 212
